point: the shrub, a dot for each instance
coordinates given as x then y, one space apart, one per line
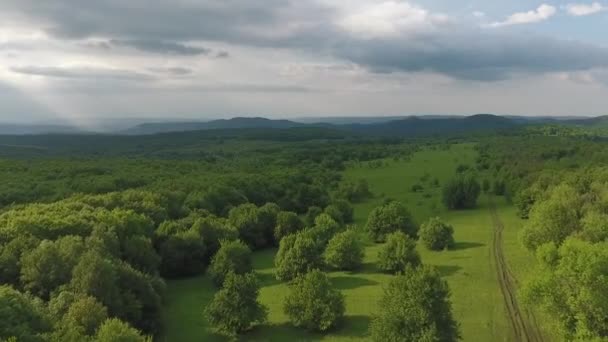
313 303
344 251
287 223
461 192
398 253
298 254
235 308
113 330
389 218
415 306
233 256
437 235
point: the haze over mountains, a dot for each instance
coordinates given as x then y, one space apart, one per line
393 126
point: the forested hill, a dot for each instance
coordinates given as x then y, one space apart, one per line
406 127
418 126
234 123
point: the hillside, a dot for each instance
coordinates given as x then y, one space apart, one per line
234 123
417 126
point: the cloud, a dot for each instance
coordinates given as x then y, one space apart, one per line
176 71
163 47
82 73
579 10
388 18
385 36
542 13
473 54
479 14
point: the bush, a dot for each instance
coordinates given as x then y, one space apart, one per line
115 330
461 192
313 303
344 251
389 218
182 254
398 253
233 256
415 306
324 229
253 225
311 215
235 308
287 223
21 316
437 235
298 254
417 188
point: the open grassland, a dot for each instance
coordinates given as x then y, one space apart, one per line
469 268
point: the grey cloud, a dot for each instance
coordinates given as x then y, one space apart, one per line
176 71
163 47
82 73
162 26
472 55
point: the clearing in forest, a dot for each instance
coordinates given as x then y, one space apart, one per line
469 268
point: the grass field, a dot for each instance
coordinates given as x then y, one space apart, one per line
469 268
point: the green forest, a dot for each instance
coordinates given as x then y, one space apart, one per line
305 233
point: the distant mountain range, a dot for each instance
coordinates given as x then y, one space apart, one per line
234 123
411 126
24 129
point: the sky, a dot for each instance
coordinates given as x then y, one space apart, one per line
83 62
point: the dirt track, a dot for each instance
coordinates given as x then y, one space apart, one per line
523 322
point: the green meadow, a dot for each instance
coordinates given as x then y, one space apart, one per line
469 268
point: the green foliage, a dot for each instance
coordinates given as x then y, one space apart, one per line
50 265
114 330
21 316
311 215
524 200
461 192
415 306
417 188
287 223
571 286
437 235
233 257
398 253
354 191
182 254
313 303
298 254
85 313
499 187
235 308
389 218
554 219
255 225
486 185
213 230
324 229
344 251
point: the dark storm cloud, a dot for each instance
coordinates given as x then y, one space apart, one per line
162 47
473 55
82 73
158 26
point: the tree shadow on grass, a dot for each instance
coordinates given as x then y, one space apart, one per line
267 279
447 270
354 326
466 245
349 283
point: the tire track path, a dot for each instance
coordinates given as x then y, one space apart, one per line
523 322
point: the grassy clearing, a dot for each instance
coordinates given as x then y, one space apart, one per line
521 262
469 268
